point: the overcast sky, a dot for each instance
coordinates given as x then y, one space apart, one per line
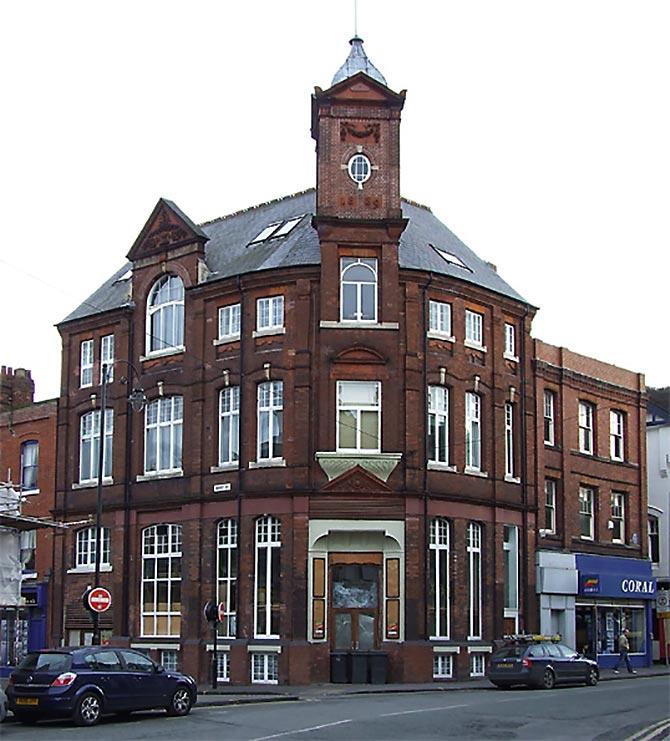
538 131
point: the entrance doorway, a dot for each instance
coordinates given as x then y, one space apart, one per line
355 599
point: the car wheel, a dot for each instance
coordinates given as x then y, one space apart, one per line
592 677
181 702
548 680
88 710
27 719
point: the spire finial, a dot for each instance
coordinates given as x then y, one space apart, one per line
355 18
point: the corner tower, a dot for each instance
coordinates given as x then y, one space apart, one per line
356 125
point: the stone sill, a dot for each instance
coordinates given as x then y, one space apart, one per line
227 339
270 463
268 332
326 324
224 468
104 569
438 466
474 346
163 353
433 335
92 484
475 472
159 475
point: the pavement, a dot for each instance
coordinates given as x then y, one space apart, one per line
244 694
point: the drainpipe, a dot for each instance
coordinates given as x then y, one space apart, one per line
241 458
524 479
426 527
127 498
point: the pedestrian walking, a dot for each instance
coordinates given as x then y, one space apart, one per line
624 648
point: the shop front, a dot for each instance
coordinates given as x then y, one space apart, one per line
23 628
614 593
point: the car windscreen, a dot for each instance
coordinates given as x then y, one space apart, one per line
509 652
47 662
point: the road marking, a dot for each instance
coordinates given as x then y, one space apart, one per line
650 732
303 730
422 710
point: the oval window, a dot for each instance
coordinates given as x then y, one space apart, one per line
359 169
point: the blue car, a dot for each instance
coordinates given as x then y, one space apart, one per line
87 683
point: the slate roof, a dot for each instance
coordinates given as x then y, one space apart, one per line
357 61
228 252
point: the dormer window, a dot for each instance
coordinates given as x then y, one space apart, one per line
165 316
358 289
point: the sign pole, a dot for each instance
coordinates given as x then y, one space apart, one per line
215 666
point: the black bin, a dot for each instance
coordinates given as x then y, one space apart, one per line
339 667
379 663
359 667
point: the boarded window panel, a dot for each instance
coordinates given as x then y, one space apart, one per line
393 619
318 618
319 586
393 577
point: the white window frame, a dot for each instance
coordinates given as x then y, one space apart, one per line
223 666
549 409
439 544
268 537
26 464
346 263
85 543
270 414
357 409
89 440
509 441
158 544
477 664
443 665
653 538
173 409
473 429
439 319
586 509
107 356
550 505
264 668
474 550
229 421
157 313
511 554
170 659
270 314
86 363
510 342
229 322
226 579
474 329
618 516
586 420
617 427
438 420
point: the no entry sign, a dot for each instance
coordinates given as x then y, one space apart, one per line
99 599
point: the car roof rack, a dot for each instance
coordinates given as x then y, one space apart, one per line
532 637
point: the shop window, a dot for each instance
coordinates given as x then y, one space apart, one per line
267 598
227 576
438 584
443 666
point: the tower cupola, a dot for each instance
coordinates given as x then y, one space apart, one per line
357 61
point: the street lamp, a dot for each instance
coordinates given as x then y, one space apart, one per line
137 400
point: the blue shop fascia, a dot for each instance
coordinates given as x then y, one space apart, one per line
23 628
614 593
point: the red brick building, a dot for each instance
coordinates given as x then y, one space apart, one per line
339 442
28 464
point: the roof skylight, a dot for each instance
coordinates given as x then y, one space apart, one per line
278 229
450 258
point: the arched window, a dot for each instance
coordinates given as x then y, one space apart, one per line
161 580
165 315
438 601
267 599
358 289
226 575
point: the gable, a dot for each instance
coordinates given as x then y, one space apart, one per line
363 87
356 480
167 228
